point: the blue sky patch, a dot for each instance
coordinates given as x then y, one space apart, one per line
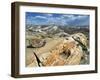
57 19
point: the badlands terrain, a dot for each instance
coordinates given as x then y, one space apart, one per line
51 45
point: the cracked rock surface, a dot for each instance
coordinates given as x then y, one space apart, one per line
58 51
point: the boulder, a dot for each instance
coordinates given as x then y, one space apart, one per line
35 43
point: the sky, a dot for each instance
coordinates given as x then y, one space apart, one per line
57 19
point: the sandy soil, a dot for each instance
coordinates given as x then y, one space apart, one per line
51 43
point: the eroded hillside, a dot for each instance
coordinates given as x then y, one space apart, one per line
52 46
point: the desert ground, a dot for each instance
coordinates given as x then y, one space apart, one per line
57 49
51 43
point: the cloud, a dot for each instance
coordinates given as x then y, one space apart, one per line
74 17
49 15
42 17
68 16
79 20
58 19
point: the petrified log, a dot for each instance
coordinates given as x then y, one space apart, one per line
72 52
36 43
69 52
81 38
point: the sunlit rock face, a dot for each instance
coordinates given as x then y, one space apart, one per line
68 52
80 37
59 50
